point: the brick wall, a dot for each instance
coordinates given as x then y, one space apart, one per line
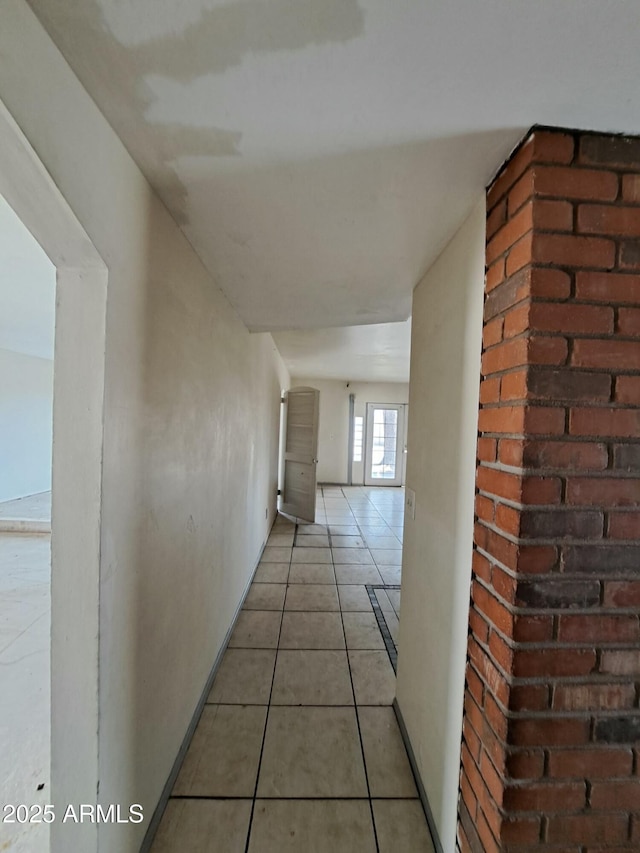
552 721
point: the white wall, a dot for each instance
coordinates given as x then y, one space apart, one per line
26 401
191 417
436 569
333 433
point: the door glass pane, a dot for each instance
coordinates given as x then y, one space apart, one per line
385 444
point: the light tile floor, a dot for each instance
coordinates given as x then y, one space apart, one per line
298 749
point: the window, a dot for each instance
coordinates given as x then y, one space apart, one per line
358 428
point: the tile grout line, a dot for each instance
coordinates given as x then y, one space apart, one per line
355 706
266 720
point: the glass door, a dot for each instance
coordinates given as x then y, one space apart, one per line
384 445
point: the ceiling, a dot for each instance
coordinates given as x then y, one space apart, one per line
27 290
319 154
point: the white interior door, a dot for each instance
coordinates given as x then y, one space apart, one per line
384 446
302 406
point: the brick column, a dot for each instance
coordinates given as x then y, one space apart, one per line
552 722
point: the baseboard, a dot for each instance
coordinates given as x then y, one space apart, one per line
154 823
416 775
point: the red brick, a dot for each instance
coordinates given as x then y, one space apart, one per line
608 287
537 559
485 508
546 797
501 652
586 697
569 318
606 354
590 763
493 780
508 519
487 449
504 356
505 419
520 254
552 147
517 320
492 332
624 525
586 491
629 319
499 483
490 390
616 795
521 192
496 219
525 764
564 182
509 174
489 844
541 490
555 384
553 731
514 386
481 566
622 593
631 188
495 612
495 717
543 350
529 697
588 828
552 215
553 663
520 830
510 452
609 150
605 219
581 455
598 629
543 420
478 626
532 629
621 662
509 293
623 423
503 583
549 284
510 233
572 251
495 274
628 390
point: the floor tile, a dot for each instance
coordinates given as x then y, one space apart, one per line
271 573
311 631
222 760
386 557
374 681
352 556
311 555
361 631
306 529
281 540
312 752
256 629
314 540
244 677
383 542
358 575
388 766
312 573
205 826
347 542
344 530
390 574
394 597
312 597
275 555
265 596
354 597
312 678
312 826
401 826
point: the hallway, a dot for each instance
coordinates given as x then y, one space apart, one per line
298 748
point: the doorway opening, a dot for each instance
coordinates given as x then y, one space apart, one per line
384 446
